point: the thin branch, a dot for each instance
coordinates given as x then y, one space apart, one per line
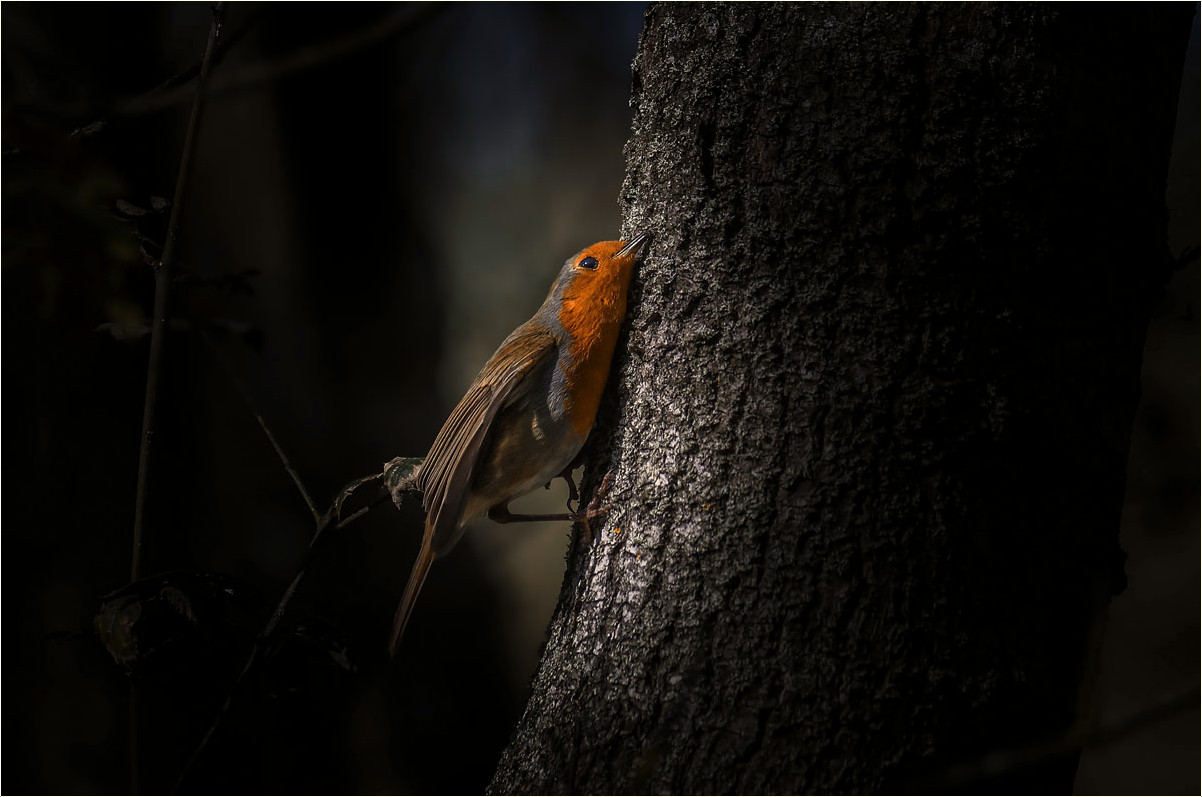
158 338
162 291
360 512
253 410
223 48
287 465
175 86
297 61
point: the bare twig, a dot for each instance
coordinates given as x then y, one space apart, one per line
253 410
287 465
162 291
158 336
300 60
176 86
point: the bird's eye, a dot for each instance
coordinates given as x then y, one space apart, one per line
589 262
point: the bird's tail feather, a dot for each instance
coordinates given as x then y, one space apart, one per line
421 568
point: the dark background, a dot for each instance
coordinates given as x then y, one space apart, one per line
380 193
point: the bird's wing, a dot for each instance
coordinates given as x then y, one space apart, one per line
446 474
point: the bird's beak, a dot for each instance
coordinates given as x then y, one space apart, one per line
633 246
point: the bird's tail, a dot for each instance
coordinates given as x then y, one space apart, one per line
421 568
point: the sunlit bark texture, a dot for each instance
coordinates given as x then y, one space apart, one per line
870 420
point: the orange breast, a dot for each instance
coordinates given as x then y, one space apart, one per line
588 373
592 312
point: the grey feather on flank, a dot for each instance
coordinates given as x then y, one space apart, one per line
452 459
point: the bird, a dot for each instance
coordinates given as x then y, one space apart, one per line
525 418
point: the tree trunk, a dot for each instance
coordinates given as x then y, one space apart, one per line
872 419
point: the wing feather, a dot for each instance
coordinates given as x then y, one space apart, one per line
446 474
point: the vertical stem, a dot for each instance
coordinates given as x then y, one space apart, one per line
158 336
162 292
135 773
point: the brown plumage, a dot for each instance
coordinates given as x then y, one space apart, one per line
528 412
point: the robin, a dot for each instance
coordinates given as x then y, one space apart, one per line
527 414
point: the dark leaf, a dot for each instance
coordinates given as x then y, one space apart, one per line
176 612
129 210
114 625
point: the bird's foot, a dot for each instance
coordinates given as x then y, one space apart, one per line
595 508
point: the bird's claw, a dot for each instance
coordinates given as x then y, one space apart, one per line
573 493
595 508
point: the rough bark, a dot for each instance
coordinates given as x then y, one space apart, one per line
872 418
